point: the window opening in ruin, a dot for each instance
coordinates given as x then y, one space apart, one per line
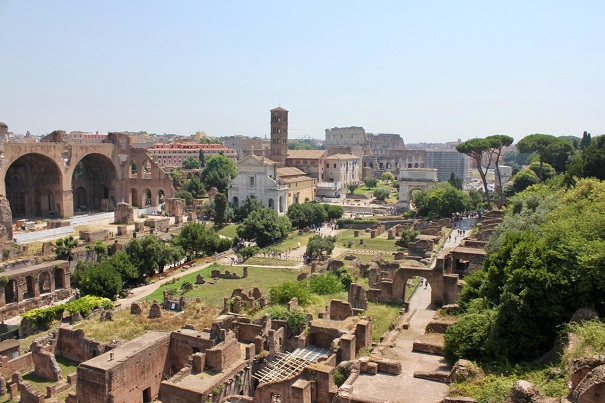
196 350
147 395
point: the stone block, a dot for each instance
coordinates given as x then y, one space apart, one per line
155 311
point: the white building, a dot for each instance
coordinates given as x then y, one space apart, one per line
257 177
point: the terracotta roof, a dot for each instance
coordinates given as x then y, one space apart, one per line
289 171
342 157
296 179
308 154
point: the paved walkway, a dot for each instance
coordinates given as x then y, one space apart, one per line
404 388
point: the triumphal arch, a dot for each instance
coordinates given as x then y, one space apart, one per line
414 179
54 178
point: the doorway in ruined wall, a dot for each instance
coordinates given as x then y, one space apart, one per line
134 198
80 199
94 180
29 291
59 279
146 198
44 283
161 196
10 292
147 395
33 186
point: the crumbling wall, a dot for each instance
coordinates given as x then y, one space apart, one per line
74 345
184 343
224 354
105 378
22 364
45 364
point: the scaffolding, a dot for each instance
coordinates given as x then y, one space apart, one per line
288 365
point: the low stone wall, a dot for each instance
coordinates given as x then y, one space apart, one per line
22 364
16 308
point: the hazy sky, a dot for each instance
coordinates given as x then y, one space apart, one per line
431 71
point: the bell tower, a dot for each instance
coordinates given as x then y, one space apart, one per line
279 135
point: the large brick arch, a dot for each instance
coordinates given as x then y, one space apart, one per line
94 184
33 185
62 158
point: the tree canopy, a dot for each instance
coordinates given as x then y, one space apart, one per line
498 143
191 163
544 262
319 246
196 239
550 149
264 226
382 193
63 248
590 161
480 150
218 171
307 214
370 182
150 255
221 204
246 207
439 201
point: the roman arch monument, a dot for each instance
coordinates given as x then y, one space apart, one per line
414 179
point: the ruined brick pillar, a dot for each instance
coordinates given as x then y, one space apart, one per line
301 391
67 204
347 347
51 280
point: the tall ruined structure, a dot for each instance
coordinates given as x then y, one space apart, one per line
54 178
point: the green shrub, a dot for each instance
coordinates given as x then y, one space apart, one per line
344 222
339 377
407 236
467 338
283 293
248 251
43 317
325 284
295 318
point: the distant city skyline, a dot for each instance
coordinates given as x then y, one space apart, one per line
432 72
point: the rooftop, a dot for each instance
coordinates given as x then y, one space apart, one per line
308 154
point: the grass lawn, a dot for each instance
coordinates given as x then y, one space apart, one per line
126 326
364 189
292 241
380 243
213 294
262 261
383 316
229 231
364 259
67 367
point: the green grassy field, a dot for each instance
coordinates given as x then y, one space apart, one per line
381 243
261 261
228 231
292 242
383 316
213 294
67 367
